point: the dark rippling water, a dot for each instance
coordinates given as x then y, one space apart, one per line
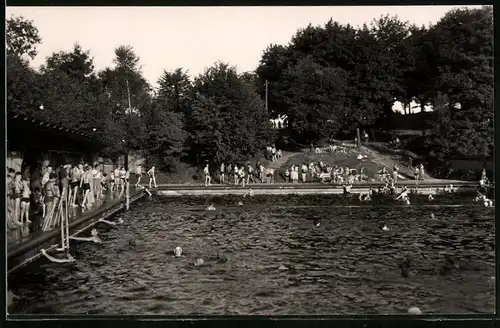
278 262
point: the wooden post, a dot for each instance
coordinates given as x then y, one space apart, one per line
359 137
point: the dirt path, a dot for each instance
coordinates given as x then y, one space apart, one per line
285 155
388 162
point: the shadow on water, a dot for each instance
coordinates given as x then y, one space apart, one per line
269 256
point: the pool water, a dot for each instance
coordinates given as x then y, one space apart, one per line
267 257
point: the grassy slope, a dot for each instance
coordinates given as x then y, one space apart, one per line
188 174
374 162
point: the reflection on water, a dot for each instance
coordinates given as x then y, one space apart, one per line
267 257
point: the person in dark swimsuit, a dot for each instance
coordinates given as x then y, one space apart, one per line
85 185
51 194
17 187
25 202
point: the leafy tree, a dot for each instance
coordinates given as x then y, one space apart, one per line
77 64
315 100
22 86
463 42
228 121
21 37
274 61
175 91
70 90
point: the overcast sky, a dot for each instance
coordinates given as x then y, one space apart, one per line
193 37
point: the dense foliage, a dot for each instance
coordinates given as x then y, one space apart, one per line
328 81
333 79
218 116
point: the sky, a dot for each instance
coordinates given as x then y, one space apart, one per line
194 38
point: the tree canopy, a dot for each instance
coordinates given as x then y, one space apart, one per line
328 81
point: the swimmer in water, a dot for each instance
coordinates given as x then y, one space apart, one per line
93 237
404 194
365 197
119 221
178 251
211 208
431 197
316 222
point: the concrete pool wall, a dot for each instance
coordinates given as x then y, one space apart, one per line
424 187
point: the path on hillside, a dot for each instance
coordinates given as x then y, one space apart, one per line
388 162
285 156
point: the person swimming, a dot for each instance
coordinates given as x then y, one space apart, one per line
431 197
93 237
365 197
178 251
404 194
210 208
119 221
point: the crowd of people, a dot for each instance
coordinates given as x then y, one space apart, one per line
46 188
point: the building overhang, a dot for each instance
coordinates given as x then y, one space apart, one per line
22 128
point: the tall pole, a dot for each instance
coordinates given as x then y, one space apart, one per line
267 89
128 132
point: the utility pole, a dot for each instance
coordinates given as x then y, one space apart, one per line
267 97
128 130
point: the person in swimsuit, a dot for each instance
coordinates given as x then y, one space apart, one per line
25 202
117 178
241 174
250 174
123 173
85 185
222 171
152 177
17 187
236 173
51 195
104 183
138 174
75 182
45 179
112 180
64 182
421 171
287 175
208 179
395 171
304 172
95 183
98 182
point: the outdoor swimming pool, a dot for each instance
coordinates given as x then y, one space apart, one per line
278 262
